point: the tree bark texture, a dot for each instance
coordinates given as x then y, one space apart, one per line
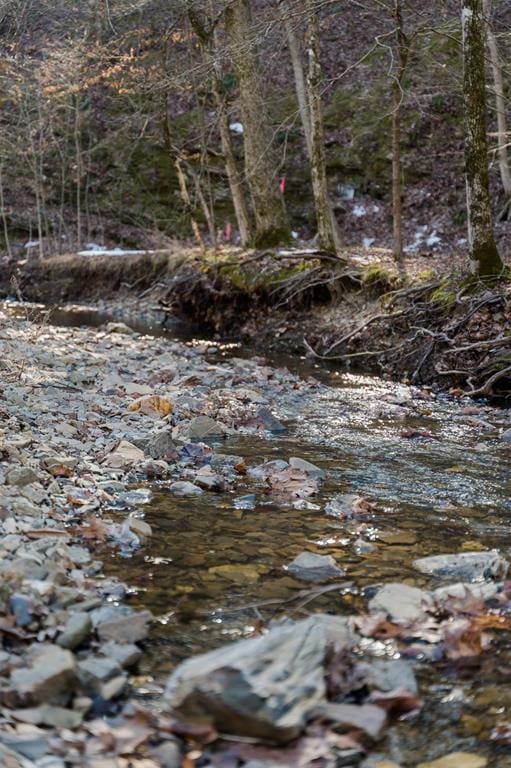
328 231
295 53
271 225
500 101
403 50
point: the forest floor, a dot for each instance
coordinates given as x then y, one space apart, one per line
424 321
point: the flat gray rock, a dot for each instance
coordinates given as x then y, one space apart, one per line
266 687
308 566
204 428
401 602
125 629
161 446
95 671
389 674
506 436
185 488
310 469
21 476
78 628
464 566
367 718
51 678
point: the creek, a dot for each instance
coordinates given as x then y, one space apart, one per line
439 476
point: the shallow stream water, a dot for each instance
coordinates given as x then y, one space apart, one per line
444 492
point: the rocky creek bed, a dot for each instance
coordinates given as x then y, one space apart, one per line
330 551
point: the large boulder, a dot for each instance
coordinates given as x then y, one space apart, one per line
266 687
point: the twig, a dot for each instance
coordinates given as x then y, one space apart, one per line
429 350
483 344
486 387
352 333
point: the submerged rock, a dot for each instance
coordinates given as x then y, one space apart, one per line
185 488
269 422
401 602
310 469
464 566
457 760
311 567
266 687
125 629
117 327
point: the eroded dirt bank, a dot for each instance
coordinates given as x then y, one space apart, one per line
426 323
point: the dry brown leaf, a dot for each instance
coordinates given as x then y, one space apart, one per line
59 470
376 625
151 404
492 621
92 529
463 639
397 702
361 506
201 733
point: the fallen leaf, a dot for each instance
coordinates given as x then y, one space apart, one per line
346 506
59 470
492 621
397 702
411 434
150 404
376 625
201 733
463 639
92 528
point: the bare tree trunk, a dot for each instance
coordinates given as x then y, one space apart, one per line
4 217
271 225
298 72
207 210
78 163
500 102
231 166
234 178
328 231
185 196
208 38
397 192
484 256
403 51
